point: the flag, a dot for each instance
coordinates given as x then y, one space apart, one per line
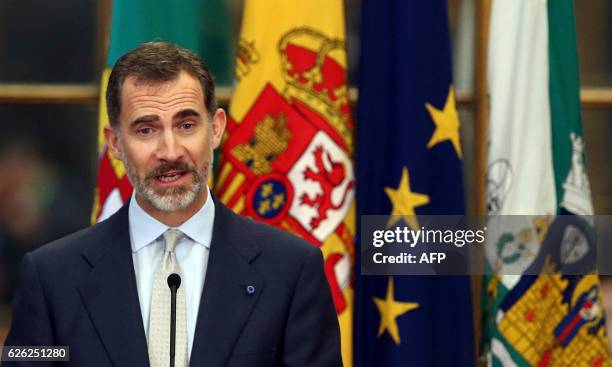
287 156
409 161
137 21
534 313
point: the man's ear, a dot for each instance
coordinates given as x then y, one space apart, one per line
218 127
112 141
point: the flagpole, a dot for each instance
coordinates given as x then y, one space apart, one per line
103 35
483 10
481 106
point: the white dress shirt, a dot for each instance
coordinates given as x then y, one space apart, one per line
192 253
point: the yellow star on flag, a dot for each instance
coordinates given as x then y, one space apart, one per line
447 123
404 201
390 310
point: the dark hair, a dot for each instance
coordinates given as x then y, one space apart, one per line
157 62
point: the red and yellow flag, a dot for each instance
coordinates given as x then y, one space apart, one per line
287 156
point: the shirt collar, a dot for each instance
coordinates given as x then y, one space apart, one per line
144 229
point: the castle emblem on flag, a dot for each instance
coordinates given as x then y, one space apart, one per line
268 141
554 320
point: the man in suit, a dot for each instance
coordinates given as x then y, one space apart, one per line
251 295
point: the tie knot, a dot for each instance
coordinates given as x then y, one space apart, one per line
171 238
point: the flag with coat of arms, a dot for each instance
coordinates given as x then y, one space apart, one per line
541 300
286 159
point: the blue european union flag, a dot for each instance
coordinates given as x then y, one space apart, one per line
409 161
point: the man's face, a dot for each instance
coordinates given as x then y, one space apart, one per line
165 140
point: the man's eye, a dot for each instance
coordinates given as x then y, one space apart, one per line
187 126
145 131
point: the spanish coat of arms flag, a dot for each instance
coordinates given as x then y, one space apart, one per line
287 156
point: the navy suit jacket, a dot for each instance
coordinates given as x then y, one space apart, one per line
80 291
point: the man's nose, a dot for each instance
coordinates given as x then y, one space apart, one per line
170 148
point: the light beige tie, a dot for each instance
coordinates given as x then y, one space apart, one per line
159 321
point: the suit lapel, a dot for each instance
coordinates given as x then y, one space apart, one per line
111 297
231 290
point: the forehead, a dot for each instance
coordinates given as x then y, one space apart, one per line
138 94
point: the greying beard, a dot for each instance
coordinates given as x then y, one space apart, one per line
172 199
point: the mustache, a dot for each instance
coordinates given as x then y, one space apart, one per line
164 168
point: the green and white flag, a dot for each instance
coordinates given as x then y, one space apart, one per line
536 169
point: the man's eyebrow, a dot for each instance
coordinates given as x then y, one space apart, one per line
144 120
188 112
